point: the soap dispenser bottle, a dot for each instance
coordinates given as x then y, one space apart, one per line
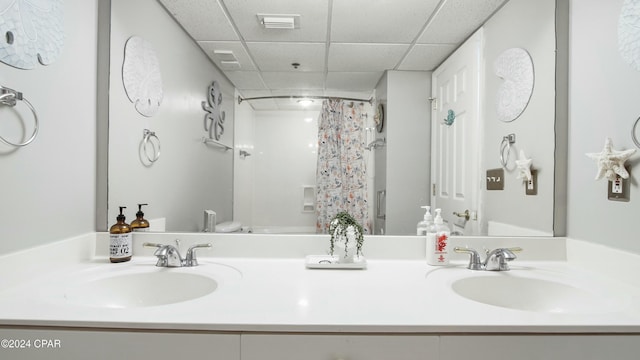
140 223
120 242
426 222
438 242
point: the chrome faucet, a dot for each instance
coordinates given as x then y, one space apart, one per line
169 255
497 259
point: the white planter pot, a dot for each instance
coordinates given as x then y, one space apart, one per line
345 247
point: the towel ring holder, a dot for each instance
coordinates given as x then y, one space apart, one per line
633 133
10 97
147 143
505 146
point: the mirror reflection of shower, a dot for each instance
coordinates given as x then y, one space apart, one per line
271 187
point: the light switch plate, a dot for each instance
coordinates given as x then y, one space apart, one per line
618 190
495 179
531 187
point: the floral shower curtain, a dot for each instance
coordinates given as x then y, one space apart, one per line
341 180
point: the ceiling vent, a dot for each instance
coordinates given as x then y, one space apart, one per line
225 55
228 60
230 65
275 21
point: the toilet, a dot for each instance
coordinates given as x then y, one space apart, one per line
229 227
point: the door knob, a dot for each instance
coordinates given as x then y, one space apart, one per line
464 214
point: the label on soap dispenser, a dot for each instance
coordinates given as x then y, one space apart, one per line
120 245
442 238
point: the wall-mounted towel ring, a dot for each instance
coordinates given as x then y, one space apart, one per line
634 137
505 147
149 144
10 97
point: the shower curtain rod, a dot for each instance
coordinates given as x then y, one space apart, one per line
241 99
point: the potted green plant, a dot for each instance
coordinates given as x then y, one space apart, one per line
347 236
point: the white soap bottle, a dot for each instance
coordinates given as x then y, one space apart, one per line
426 222
438 242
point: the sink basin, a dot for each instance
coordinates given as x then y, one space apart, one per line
141 289
531 294
137 284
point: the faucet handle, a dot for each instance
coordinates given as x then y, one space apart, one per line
162 260
191 254
474 257
148 244
497 259
515 249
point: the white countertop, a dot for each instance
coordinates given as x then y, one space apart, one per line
281 295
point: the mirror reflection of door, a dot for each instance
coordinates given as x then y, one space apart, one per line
455 179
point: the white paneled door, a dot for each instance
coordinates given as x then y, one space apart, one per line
455 172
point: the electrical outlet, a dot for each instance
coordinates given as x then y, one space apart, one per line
531 186
619 188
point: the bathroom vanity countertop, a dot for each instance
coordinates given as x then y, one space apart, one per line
281 295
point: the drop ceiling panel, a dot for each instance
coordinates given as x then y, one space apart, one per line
426 57
298 92
235 46
293 80
342 45
280 56
353 80
313 19
364 95
379 21
202 19
365 57
292 104
457 20
246 80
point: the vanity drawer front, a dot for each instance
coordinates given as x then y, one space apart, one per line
536 347
339 347
55 344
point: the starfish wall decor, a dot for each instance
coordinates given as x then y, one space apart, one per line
611 162
524 167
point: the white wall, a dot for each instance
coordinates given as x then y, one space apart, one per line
284 160
603 103
243 174
189 177
529 25
408 150
380 165
48 188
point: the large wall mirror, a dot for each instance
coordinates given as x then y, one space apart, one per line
191 176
